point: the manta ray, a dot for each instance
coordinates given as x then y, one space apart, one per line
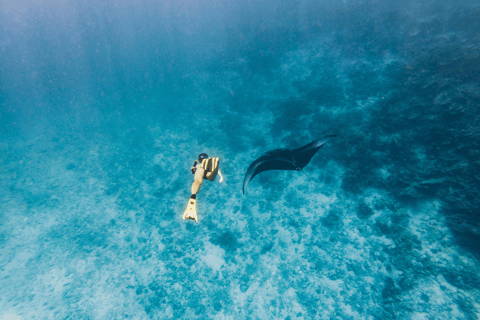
284 159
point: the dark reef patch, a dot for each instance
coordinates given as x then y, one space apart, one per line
227 241
364 211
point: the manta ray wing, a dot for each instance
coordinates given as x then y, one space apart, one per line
265 163
284 159
302 156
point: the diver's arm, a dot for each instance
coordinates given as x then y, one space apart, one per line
193 169
221 177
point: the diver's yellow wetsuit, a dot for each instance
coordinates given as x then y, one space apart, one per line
204 168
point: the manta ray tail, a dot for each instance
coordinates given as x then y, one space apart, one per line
310 179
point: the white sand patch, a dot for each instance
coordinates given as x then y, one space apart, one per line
332 285
307 232
284 235
55 280
384 173
105 301
348 311
383 240
369 280
355 237
290 297
213 256
10 316
430 227
419 316
222 316
351 253
322 254
162 160
442 299
270 264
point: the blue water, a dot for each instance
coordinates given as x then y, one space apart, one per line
104 106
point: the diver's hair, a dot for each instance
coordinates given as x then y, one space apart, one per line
202 155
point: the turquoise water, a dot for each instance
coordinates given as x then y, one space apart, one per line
104 106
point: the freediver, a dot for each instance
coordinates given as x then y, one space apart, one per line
204 168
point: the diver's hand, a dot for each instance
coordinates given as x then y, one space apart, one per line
221 176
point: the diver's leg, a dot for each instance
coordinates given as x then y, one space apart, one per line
197 182
191 211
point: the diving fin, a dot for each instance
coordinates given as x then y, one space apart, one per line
191 211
